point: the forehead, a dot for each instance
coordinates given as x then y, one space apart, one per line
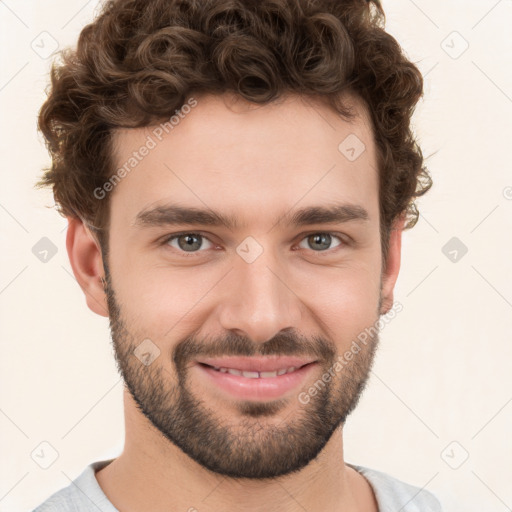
233 156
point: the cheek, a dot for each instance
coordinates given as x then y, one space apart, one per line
162 303
346 301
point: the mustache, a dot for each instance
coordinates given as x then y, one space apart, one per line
283 344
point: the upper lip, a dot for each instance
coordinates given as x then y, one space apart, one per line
256 364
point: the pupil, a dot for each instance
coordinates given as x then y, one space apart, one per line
324 237
192 242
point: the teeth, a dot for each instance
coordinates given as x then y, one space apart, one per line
251 375
256 375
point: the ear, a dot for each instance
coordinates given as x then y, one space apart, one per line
87 263
390 273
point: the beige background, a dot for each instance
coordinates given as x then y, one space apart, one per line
443 372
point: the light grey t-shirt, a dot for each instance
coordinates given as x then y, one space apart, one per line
85 495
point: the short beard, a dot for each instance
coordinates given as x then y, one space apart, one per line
251 447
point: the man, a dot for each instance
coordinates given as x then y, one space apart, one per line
236 176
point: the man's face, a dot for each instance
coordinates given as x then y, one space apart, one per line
265 286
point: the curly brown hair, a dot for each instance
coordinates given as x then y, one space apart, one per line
139 61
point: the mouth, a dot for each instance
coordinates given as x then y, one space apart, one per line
255 378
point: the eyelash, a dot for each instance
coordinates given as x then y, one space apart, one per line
342 238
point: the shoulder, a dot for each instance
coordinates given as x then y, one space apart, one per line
81 495
67 499
393 494
64 500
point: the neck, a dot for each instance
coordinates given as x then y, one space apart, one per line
153 474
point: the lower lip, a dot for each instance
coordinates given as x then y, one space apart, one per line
256 389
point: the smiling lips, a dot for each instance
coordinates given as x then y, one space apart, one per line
258 378
257 367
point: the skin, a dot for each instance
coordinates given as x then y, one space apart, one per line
258 163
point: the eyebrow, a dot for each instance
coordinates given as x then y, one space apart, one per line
170 214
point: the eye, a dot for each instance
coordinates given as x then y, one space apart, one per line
320 241
188 242
194 242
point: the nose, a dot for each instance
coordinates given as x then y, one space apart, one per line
259 302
